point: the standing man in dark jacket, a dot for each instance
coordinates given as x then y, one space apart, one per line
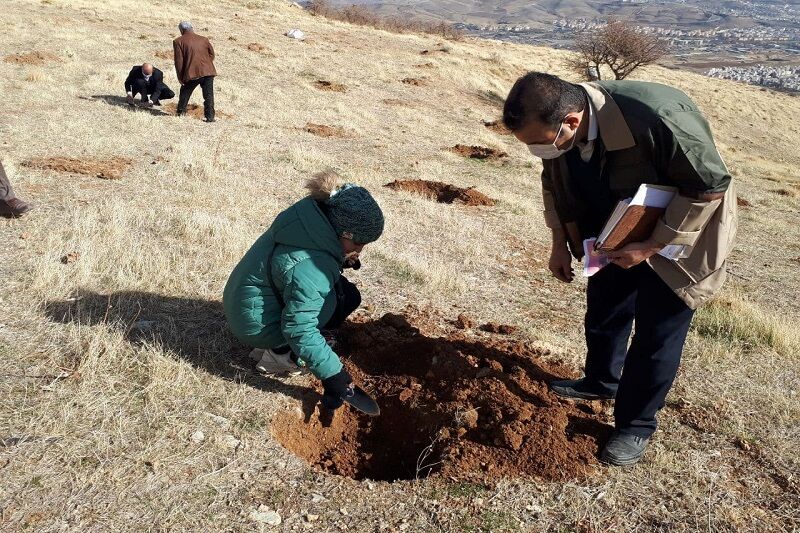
599 142
147 81
10 205
194 64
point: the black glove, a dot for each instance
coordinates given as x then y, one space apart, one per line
355 264
336 388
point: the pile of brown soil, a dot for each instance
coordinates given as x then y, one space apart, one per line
107 169
164 54
194 111
321 130
31 58
416 82
478 152
443 193
453 406
497 127
324 85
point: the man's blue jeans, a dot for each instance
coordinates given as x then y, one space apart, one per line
641 374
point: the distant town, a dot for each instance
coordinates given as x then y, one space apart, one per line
766 53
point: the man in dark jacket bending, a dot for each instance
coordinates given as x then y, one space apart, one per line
147 81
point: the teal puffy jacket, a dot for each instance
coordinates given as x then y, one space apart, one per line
306 263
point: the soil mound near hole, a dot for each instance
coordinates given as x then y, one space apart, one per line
443 193
457 405
107 169
164 54
31 58
478 152
324 85
194 111
321 130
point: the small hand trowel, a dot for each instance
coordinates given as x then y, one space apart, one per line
362 401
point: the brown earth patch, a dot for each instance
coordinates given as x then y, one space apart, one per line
324 85
478 152
452 407
496 126
31 58
107 169
164 54
321 130
416 82
425 65
785 192
741 202
194 111
443 193
494 327
255 47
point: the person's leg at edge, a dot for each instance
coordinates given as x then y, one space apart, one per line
207 86
662 323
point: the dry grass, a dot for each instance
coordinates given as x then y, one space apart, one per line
110 363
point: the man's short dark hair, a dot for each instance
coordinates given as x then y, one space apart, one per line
542 97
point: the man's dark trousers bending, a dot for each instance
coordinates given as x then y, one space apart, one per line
642 374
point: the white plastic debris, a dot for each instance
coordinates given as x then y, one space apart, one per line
296 34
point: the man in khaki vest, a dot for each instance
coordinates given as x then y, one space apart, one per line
598 143
194 65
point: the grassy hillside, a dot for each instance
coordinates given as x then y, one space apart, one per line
114 352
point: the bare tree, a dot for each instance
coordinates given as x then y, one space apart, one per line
617 46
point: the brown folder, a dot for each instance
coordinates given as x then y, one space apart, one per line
635 225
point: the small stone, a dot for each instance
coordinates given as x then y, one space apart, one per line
343 511
318 498
229 441
70 258
198 437
312 517
266 516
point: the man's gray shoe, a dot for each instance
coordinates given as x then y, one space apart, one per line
270 362
624 449
578 388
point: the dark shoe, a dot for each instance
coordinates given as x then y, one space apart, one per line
624 449
14 208
580 389
157 103
210 120
146 104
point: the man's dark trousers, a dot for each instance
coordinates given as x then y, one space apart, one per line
161 91
642 374
206 83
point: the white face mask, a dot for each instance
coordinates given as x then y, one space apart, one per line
550 151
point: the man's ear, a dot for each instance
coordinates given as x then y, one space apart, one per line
573 120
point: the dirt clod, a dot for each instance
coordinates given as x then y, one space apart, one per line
31 58
70 258
321 130
741 202
107 169
785 192
255 47
478 152
437 419
324 85
442 192
416 82
464 322
494 327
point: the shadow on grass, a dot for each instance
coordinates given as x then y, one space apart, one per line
120 101
190 328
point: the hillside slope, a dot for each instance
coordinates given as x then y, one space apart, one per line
113 350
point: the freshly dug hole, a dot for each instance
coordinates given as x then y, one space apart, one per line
443 193
459 405
109 169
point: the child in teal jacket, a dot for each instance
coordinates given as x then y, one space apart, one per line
289 286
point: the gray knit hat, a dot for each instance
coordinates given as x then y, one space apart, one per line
352 210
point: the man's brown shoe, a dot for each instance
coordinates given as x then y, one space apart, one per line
14 208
